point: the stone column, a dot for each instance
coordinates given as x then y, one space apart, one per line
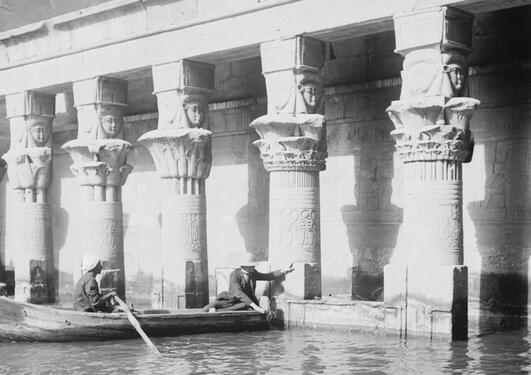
100 165
29 161
293 148
426 283
181 151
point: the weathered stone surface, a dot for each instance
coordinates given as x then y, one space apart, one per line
181 149
100 165
292 145
29 162
429 301
433 139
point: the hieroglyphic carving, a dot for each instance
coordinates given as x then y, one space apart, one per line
450 228
298 227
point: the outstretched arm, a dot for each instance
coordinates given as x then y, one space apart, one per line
275 274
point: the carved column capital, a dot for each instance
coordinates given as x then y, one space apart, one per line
100 153
100 104
181 145
182 89
433 129
292 142
435 62
432 116
29 168
180 153
30 116
110 157
293 133
291 70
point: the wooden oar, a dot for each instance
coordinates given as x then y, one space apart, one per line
136 324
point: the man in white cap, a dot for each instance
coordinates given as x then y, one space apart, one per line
87 295
242 285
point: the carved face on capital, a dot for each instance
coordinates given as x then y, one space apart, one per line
457 77
195 113
39 129
112 119
310 90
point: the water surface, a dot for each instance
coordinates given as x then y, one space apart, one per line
274 352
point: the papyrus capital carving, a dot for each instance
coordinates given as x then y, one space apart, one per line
181 146
292 142
433 129
432 117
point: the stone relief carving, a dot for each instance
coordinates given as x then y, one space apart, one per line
29 168
181 153
195 108
432 73
39 129
450 229
422 134
298 227
292 143
100 153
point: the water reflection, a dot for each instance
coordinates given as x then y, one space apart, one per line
275 352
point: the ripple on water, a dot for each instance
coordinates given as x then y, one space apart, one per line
274 352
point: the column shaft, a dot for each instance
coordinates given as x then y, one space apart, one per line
103 236
100 165
293 148
432 230
34 272
181 150
294 234
184 251
425 286
29 162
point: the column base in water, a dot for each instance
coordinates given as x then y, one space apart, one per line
428 301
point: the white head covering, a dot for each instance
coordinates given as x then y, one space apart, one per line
247 260
90 261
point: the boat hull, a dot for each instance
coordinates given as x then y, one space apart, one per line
28 322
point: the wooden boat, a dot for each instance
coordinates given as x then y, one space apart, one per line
21 321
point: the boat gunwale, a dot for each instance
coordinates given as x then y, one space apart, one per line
123 315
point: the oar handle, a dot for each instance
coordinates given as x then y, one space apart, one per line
134 322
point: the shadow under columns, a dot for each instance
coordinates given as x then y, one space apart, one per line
373 223
253 217
503 238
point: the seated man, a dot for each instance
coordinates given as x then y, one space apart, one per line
242 285
87 295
